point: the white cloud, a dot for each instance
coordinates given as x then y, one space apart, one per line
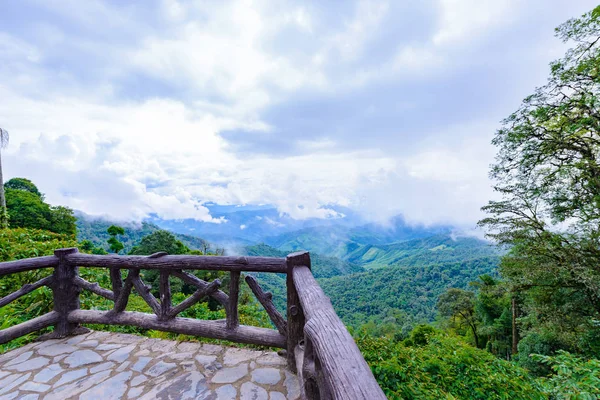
128 118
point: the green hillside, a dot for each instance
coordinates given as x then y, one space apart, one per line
431 250
403 294
94 230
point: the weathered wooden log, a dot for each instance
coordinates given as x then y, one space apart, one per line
179 262
266 300
28 264
295 316
194 298
94 288
144 291
190 279
233 319
25 289
165 294
345 371
123 298
116 282
32 325
312 384
65 292
186 326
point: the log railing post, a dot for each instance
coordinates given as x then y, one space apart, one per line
295 315
65 293
233 320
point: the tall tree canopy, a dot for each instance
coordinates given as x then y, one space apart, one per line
547 171
27 209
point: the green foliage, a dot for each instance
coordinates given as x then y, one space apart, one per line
95 230
26 209
25 185
114 244
413 290
444 368
547 171
574 378
459 305
160 241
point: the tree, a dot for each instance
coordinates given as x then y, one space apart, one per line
458 304
115 245
547 172
23 184
27 210
3 212
160 240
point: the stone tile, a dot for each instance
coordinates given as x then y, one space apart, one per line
89 344
205 360
104 347
266 376
23 357
57 359
73 389
252 365
3 374
182 356
141 353
231 374
250 391
82 357
57 349
71 376
191 385
31 364
160 368
13 384
135 392
10 396
98 335
9 379
111 389
48 373
123 338
138 380
141 364
235 356
276 396
272 358
187 347
212 348
102 367
121 354
35 387
30 396
292 386
77 339
123 366
227 392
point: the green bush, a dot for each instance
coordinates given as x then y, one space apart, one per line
574 378
445 368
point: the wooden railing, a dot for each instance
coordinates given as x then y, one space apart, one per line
319 348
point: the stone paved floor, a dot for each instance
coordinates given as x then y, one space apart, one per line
102 366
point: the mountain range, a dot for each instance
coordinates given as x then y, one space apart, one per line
393 272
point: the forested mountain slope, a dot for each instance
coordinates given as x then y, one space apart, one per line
94 230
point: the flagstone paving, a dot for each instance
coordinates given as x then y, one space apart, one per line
104 366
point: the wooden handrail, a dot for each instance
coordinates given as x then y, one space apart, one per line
333 366
178 262
27 264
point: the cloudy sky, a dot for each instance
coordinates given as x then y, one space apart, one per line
126 108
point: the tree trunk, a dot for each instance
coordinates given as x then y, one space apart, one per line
515 332
3 212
